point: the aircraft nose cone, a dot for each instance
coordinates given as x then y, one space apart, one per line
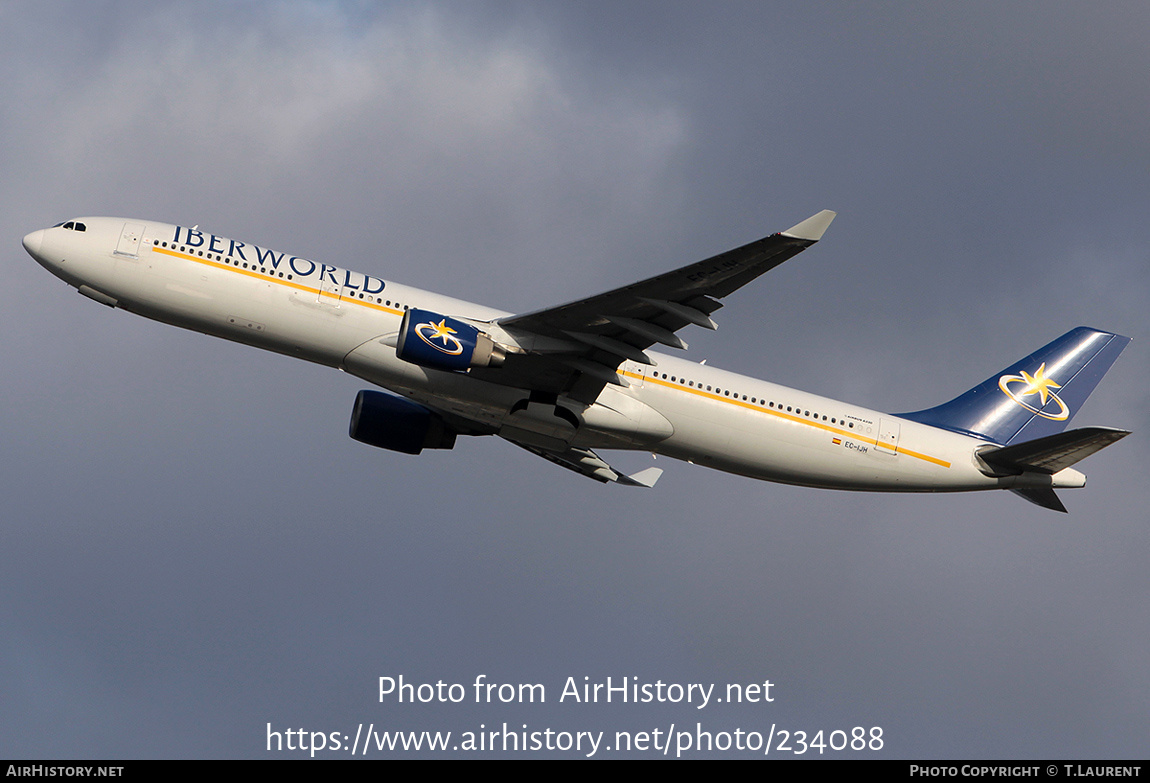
33 241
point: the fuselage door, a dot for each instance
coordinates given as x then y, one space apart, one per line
635 375
330 289
129 244
888 430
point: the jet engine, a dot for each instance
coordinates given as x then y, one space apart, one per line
434 340
391 422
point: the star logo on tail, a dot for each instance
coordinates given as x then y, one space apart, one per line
1035 384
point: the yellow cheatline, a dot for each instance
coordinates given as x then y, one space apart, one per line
276 280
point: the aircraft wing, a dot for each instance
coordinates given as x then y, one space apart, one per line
590 464
591 337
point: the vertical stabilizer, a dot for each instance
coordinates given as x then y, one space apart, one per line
1035 397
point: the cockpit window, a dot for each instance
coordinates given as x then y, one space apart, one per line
69 225
72 225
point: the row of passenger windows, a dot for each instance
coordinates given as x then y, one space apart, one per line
755 400
263 270
222 259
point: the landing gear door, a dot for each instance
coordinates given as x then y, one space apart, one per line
129 244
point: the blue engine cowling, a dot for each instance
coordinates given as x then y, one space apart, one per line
391 422
431 339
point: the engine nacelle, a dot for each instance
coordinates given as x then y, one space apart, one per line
391 422
431 339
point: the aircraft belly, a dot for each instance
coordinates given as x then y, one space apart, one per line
618 414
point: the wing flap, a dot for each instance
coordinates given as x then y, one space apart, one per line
587 463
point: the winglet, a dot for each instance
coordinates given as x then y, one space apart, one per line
812 228
644 478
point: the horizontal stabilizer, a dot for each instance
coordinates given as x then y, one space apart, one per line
1052 453
1041 496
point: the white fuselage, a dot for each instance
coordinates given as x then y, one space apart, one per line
349 320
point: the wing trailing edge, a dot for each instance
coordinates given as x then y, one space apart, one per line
603 330
587 463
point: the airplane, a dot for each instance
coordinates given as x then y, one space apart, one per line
564 381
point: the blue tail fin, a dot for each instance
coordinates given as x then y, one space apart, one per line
1032 398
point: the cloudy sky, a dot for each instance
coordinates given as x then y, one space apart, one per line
193 548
